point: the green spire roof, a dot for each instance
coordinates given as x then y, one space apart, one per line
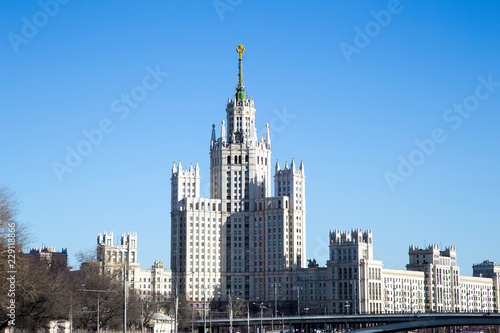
240 90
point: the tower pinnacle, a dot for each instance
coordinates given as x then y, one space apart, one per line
240 89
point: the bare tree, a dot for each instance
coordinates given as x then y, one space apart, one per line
44 292
8 205
239 307
12 239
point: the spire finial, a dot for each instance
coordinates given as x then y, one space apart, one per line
223 132
240 49
213 133
268 137
240 90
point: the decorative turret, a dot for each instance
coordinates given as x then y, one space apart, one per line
290 182
185 184
268 138
223 132
213 133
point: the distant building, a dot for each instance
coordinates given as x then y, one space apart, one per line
489 269
441 274
154 283
486 269
161 323
445 289
49 255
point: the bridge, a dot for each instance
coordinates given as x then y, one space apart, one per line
365 323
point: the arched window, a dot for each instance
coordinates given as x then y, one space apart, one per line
279 203
260 205
197 206
229 160
246 159
239 159
220 207
235 159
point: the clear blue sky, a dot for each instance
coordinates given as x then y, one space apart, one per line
363 81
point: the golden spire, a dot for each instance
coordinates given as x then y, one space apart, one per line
240 89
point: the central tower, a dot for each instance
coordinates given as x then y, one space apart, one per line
241 239
240 164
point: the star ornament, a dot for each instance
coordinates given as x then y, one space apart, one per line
240 49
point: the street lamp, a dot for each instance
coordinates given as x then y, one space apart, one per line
98 296
354 291
230 312
175 281
283 320
275 286
204 308
262 307
248 313
125 260
298 288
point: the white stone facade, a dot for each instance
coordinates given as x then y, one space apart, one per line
403 291
235 240
248 242
445 289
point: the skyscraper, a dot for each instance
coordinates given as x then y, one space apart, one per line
234 241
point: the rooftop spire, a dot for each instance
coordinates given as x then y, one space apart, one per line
268 138
240 90
213 133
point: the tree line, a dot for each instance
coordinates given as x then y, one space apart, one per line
41 290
